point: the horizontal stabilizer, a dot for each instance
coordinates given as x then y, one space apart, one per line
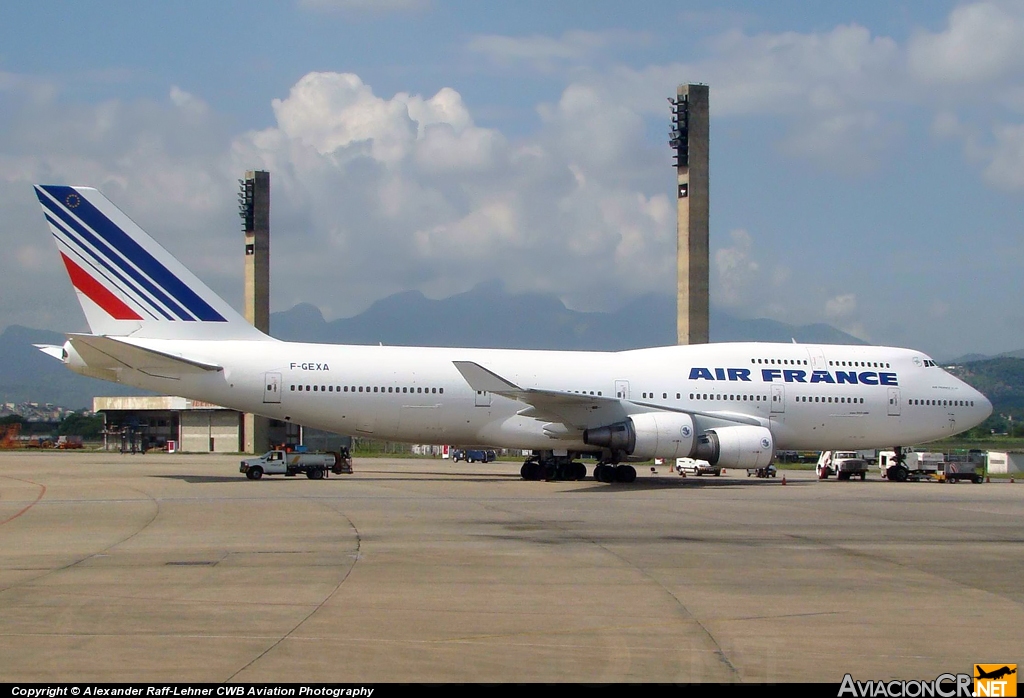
53 350
107 353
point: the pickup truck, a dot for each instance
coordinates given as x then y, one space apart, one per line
315 466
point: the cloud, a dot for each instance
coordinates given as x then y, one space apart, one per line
841 306
841 310
982 43
736 269
412 185
548 54
1006 167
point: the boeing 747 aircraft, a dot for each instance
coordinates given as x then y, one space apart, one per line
156 326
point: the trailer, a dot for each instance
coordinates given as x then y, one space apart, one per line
970 466
930 465
315 466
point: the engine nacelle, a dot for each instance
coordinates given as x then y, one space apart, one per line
646 435
736 447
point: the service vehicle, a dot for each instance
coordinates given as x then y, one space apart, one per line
691 466
473 455
929 465
767 471
67 442
315 466
842 464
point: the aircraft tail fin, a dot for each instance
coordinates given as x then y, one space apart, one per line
127 284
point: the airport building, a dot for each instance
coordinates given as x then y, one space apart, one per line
1006 462
176 424
165 422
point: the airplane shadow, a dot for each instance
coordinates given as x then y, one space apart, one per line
689 483
201 479
590 485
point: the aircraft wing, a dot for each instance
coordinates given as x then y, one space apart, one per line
574 410
110 354
577 411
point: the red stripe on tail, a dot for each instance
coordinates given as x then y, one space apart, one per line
98 293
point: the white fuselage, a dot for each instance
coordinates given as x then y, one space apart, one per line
810 397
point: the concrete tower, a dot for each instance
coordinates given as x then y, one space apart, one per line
254 208
690 138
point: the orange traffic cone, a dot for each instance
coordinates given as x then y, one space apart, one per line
783 478
723 471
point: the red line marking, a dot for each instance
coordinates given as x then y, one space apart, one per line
42 491
98 293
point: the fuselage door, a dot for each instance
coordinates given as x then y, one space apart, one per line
817 358
778 398
622 390
271 388
894 402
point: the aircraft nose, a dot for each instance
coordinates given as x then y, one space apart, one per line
986 407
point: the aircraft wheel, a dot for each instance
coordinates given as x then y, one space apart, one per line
626 473
524 472
256 473
581 471
898 473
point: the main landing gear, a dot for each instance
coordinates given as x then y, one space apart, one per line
614 473
547 466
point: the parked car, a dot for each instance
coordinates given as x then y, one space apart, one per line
473 455
689 466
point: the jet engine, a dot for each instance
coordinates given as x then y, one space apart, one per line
671 435
647 435
736 447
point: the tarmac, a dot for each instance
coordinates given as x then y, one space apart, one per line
175 568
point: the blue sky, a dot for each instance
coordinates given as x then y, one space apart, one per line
867 159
